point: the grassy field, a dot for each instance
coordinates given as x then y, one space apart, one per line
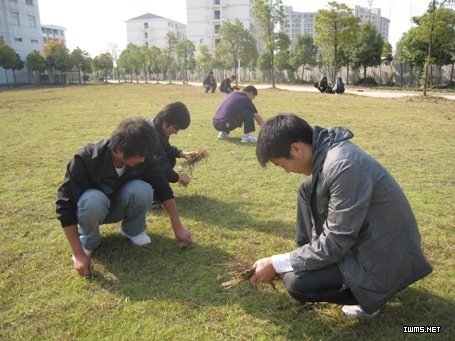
236 210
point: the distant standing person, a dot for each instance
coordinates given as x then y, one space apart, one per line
339 86
226 85
236 110
209 83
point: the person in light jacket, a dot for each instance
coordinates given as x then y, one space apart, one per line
357 237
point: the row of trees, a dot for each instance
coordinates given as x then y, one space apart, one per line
340 40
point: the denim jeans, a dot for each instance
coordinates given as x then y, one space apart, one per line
128 205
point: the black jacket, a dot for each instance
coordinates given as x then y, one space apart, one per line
166 154
92 168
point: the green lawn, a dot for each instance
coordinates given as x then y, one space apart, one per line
236 210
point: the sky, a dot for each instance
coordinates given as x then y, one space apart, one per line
97 25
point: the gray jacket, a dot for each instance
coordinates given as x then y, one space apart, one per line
362 222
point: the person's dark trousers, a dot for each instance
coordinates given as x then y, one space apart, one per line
245 118
324 285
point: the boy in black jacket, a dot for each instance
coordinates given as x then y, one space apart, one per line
114 180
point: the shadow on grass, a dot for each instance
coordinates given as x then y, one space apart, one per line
218 213
165 273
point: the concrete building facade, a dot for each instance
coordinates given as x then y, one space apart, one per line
374 15
204 18
151 30
295 23
20 28
52 32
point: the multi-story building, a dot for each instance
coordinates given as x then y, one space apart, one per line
204 18
52 32
151 30
374 16
295 23
20 28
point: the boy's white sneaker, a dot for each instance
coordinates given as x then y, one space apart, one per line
248 138
356 311
140 240
223 135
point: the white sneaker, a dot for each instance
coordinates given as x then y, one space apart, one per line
356 311
223 135
248 138
140 240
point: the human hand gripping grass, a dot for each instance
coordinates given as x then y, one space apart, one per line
191 160
261 272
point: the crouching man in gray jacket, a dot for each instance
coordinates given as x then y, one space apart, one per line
357 238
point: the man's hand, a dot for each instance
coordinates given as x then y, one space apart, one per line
183 235
184 179
82 264
264 271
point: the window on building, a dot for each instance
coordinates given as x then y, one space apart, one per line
146 44
31 21
13 0
217 41
34 41
216 2
146 25
29 2
15 18
217 28
216 14
146 35
17 39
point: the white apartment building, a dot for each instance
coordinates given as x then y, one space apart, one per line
374 15
20 28
204 18
295 23
53 32
151 30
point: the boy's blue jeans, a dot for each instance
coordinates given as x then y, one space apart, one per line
128 205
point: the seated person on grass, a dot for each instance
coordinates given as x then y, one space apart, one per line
114 180
172 118
236 110
226 86
357 237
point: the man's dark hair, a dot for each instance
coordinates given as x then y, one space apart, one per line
133 137
278 133
251 89
175 114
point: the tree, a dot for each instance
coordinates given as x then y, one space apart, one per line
103 64
57 56
411 51
283 56
387 58
185 53
168 59
268 14
35 62
9 59
236 44
81 61
436 28
153 57
303 53
204 60
367 49
334 27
